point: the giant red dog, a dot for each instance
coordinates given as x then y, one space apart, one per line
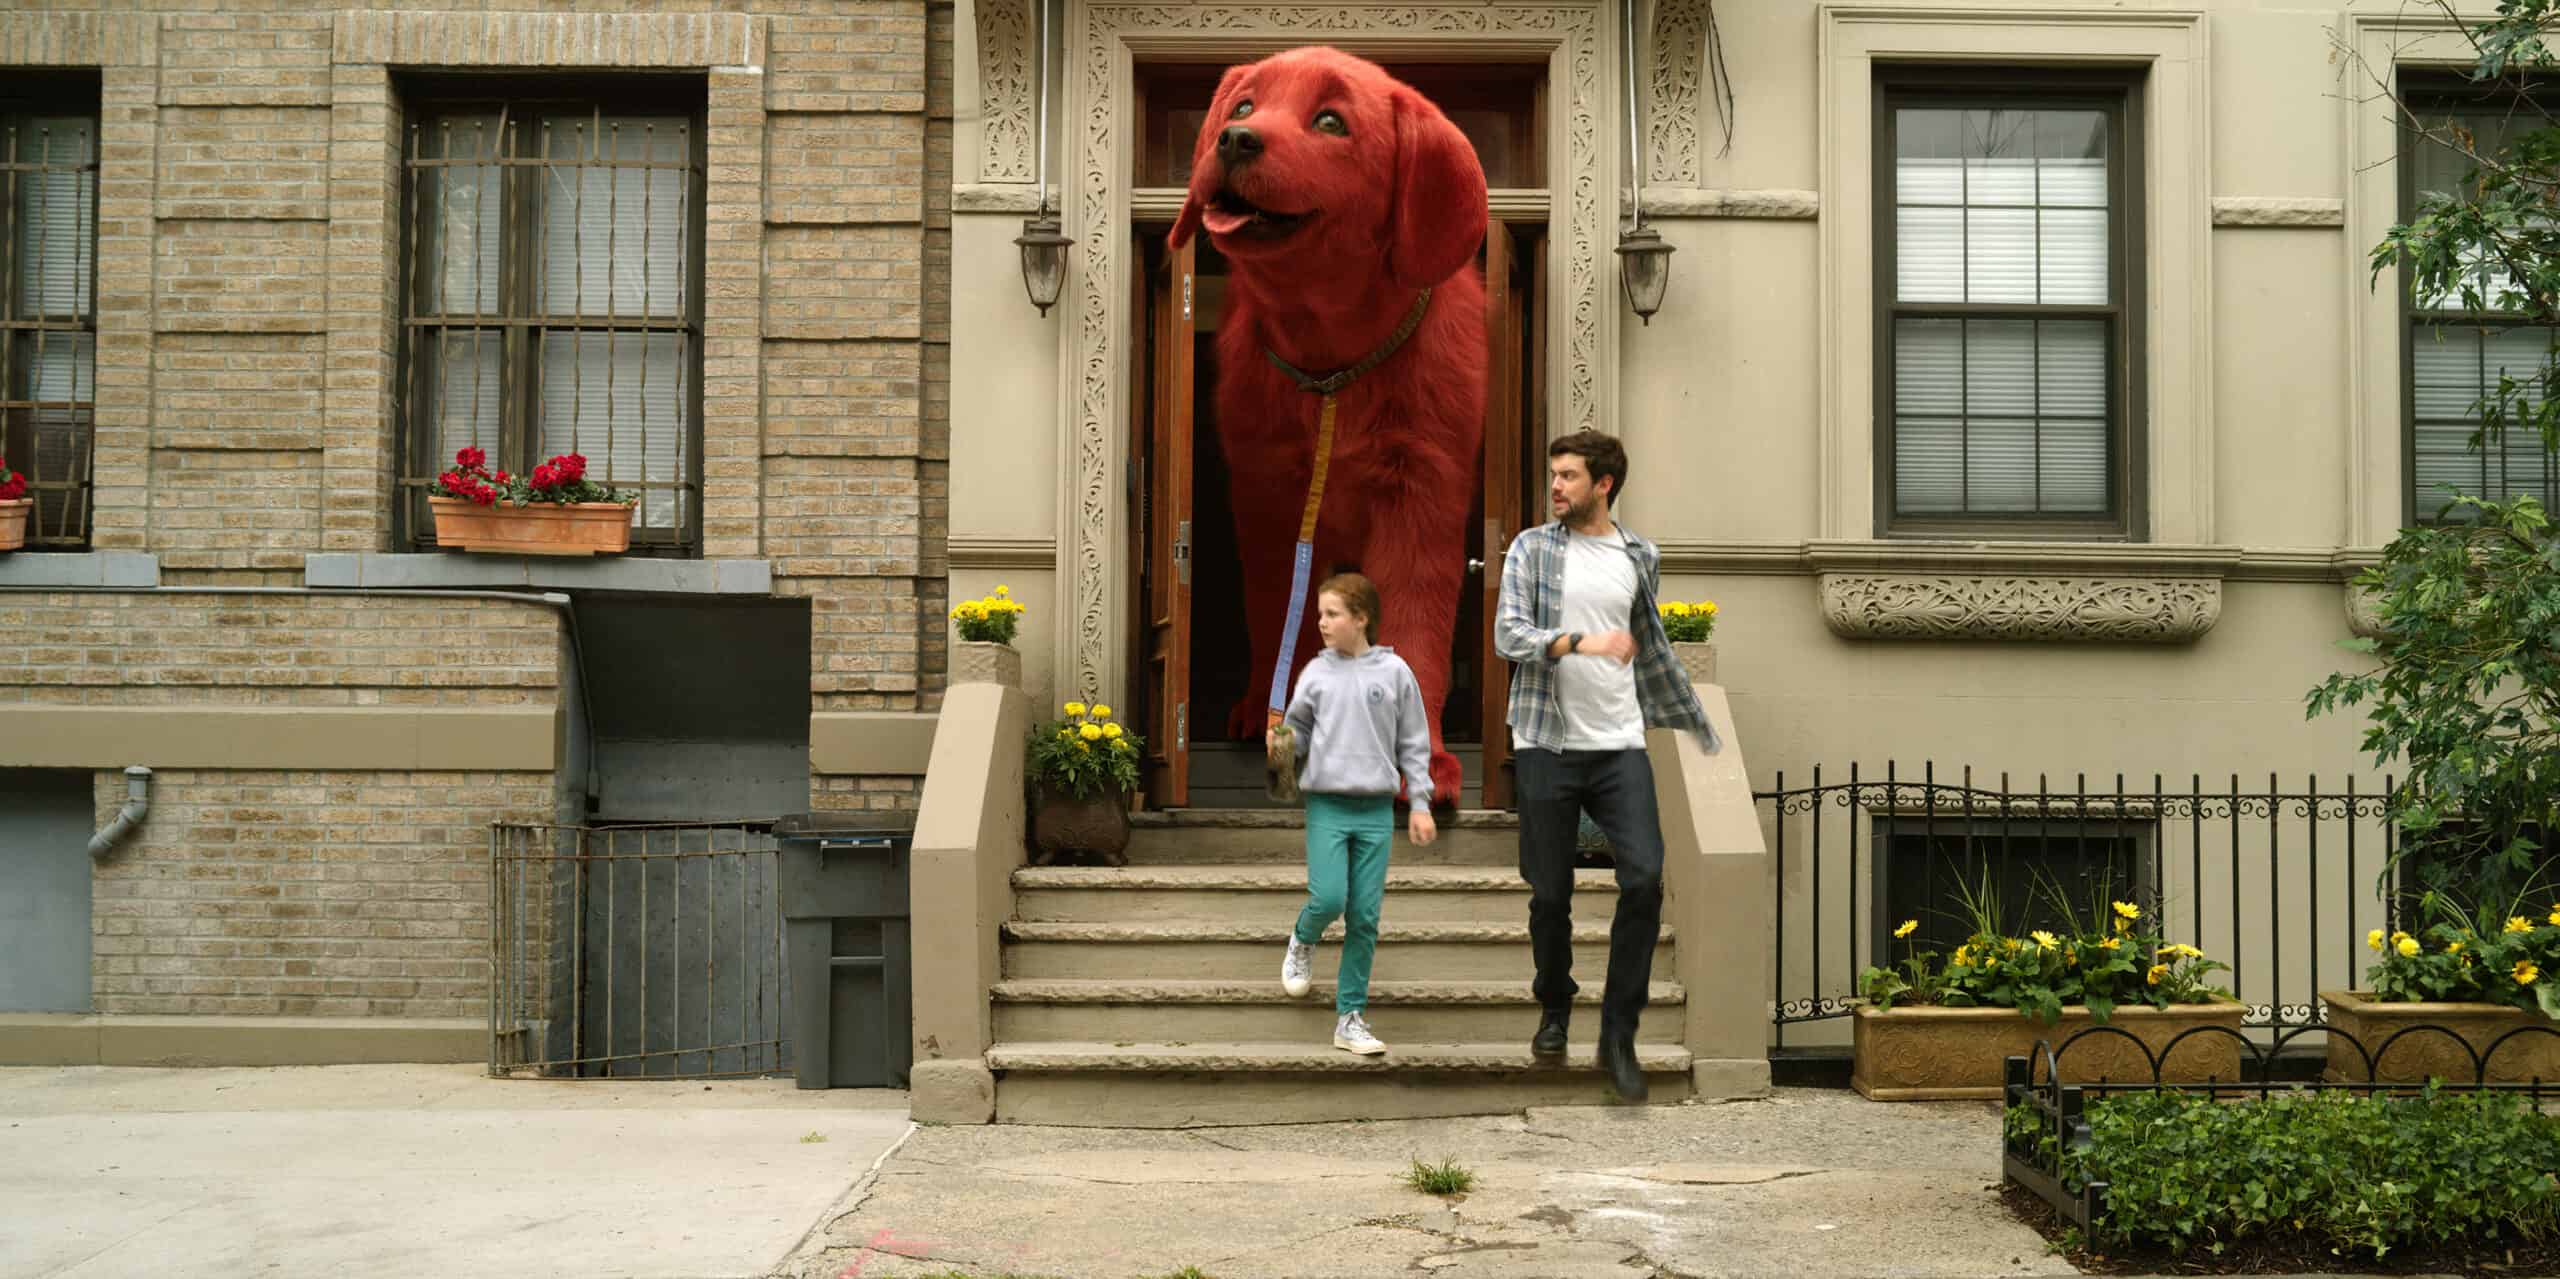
1349 210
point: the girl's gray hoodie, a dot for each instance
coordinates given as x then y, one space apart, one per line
1359 724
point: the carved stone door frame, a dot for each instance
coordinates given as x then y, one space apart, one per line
1104 43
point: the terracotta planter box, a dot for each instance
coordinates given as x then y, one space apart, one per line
542 528
1063 825
1698 658
13 522
974 662
1957 1054
2416 1057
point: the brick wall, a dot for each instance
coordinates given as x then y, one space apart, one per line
249 223
304 893
198 649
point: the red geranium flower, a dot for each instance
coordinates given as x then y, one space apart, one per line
471 458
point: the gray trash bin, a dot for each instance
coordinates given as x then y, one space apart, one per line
844 912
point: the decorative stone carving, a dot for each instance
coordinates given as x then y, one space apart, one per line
1004 91
2246 210
2003 607
2364 617
1709 202
1678 59
1098 280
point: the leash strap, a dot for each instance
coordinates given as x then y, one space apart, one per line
1303 566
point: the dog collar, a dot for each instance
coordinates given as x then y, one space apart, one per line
1342 377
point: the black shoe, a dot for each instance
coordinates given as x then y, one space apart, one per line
1549 1041
1618 1058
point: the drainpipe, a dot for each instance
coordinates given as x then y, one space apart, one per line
137 805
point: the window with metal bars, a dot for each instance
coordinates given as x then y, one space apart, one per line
48 299
2454 355
553 280
2007 343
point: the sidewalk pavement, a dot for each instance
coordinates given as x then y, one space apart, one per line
1807 1183
436 1172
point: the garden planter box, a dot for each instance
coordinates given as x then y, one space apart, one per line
13 523
976 662
2427 1053
1698 658
542 528
1958 1054
1063 826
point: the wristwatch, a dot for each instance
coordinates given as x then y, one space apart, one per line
1573 641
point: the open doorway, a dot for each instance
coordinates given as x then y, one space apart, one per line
1195 654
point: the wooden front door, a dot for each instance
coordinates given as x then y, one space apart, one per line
1168 533
1501 491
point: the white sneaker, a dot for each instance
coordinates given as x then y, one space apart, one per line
1351 1034
1298 969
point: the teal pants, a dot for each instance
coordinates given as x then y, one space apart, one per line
1347 841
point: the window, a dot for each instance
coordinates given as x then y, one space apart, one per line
554 283
2453 355
48 315
1933 866
2006 345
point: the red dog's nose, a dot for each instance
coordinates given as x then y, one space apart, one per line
1236 144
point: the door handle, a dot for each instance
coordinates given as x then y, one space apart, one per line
1475 566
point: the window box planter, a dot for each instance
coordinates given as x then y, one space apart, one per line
1698 658
1920 1053
2415 1057
13 522
538 528
980 662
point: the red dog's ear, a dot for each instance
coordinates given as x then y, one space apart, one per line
1187 223
1439 214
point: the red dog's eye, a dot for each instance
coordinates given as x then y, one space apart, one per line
1331 122
1243 109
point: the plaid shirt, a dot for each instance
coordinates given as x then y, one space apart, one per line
1525 628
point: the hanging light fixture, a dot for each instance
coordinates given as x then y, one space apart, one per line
1644 257
1043 241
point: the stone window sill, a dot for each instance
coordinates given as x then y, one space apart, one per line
73 569
374 570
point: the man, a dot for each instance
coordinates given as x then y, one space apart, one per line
1591 671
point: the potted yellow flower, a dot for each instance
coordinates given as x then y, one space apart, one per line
985 653
1082 768
1690 628
2482 975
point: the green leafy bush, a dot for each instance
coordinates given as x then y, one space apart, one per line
2354 1175
1084 753
2493 955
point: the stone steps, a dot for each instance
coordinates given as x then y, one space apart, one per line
1251 951
1198 1012
1259 893
1149 994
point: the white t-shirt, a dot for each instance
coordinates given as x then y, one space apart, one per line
1598 694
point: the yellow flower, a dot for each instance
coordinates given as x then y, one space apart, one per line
2397 938
2157 972
1102 712
2408 946
1084 746
2128 910
1908 927
2453 948
1001 592
1075 708
2526 971
1122 743
2373 940
1709 608
1090 732
1066 732
1111 730
2181 950
1991 963
2519 924
2044 940
2555 914
2111 943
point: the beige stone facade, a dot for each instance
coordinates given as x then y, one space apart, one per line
886 425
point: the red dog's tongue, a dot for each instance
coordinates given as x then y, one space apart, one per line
1221 222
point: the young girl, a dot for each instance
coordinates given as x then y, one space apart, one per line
1361 730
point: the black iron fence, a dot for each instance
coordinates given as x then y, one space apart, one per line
635 950
2047 1118
2280 881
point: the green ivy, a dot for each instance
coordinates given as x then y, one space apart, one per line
2357 1176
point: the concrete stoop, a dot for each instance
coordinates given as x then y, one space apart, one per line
1148 995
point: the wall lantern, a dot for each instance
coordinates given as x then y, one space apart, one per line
1644 258
1644 267
1044 259
1043 241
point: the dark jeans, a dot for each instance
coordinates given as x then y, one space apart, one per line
1616 788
